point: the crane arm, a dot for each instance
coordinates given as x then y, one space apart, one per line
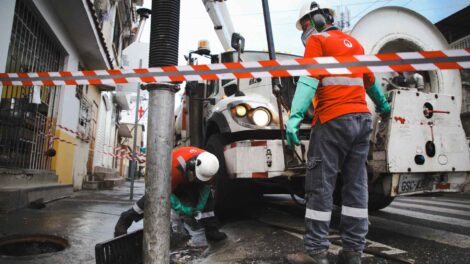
223 26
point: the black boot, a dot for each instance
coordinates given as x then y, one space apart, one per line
213 234
125 221
349 257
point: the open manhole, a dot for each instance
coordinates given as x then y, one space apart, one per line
28 245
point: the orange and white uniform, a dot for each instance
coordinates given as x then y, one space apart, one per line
337 95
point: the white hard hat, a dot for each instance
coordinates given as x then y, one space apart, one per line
312 6
207 166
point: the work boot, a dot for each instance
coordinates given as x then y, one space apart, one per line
213 234
349 257
303 258
125 221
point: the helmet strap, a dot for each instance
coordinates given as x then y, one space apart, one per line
191 169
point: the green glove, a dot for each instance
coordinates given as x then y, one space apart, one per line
378 97
304 93
179 207
203 197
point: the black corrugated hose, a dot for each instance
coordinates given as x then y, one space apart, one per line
164 36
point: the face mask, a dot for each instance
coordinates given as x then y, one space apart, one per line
306 34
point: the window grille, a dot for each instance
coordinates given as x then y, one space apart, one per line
26 123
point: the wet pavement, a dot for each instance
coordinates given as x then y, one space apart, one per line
85 219
424 229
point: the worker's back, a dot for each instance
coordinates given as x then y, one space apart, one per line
338 94
178 164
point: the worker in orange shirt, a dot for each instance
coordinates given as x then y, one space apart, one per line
339 139
191 197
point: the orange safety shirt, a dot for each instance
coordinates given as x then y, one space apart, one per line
342 94
180 157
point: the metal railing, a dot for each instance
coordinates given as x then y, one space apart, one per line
463 43
27 114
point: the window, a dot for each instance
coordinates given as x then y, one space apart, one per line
85 113
117 34
84 119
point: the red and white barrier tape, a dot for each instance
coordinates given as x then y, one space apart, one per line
392 62
118 151
127 155
53 138
80 135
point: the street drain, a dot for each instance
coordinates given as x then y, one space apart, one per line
28 245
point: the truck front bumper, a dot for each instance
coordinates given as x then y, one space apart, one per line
260 159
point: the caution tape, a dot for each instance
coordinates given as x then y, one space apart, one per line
78 134
127 156
119 152
391 62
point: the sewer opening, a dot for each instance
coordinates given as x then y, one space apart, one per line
29 245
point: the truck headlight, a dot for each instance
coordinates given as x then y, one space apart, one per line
241 110
253 115
261 117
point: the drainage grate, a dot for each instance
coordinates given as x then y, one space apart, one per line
126 249
28 245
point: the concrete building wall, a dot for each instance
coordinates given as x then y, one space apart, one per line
84 147
106 132
68 105
7 12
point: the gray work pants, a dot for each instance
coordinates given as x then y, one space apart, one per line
338 147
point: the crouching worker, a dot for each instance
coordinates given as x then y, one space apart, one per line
191 197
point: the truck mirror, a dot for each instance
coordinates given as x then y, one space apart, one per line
230 89
238 42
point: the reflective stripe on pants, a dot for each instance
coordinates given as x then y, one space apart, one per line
339 145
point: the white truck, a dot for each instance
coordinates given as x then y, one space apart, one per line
422 148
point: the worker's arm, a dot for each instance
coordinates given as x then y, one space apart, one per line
179 207
375 93
304 93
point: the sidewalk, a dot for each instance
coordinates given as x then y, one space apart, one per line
86 218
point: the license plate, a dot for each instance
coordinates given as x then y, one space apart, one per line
414 183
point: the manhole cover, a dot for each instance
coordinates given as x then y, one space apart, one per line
28 245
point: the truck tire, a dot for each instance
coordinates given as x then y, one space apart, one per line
231 195
378 201
224 191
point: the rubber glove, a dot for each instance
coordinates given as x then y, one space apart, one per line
304 93
378 97
179 207
203 197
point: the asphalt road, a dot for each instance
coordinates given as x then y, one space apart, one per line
422 229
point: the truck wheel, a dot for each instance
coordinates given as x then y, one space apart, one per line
378 201
224 191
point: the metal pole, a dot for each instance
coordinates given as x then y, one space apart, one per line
164 38
157 187
275 81
133 169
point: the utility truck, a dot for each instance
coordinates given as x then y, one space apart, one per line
421 148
